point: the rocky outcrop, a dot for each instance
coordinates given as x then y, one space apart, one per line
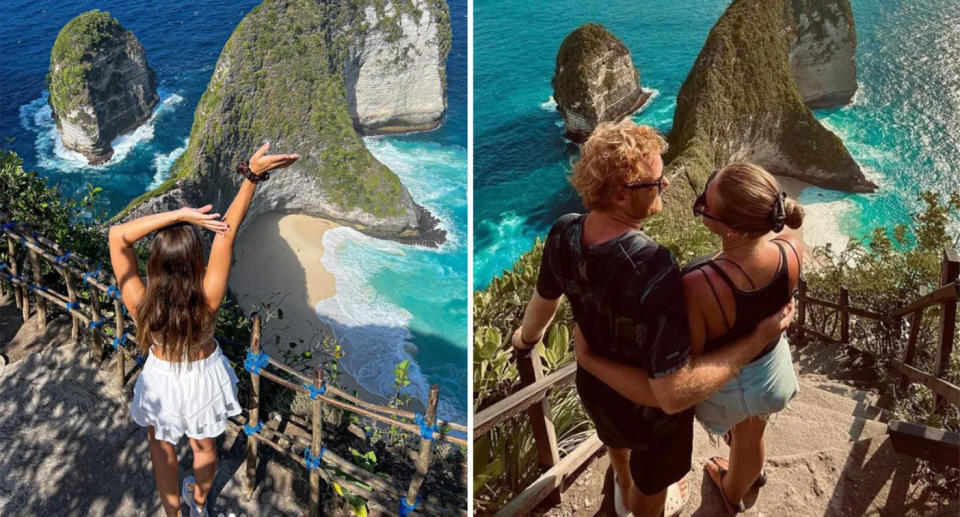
740 102
280 77
823 52
100 84
395 77
595 80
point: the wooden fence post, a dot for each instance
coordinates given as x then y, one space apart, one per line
72 296
317 444
253 405
911 351
801 308
23 299
844 316
38 281
426 448
541 416
121 357
949 271
96 352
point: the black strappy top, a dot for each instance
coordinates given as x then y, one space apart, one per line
752 306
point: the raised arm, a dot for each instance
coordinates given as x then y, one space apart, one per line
221 252
123 236
536 318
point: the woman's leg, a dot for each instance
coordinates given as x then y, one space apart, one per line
164 458
746 458
204 468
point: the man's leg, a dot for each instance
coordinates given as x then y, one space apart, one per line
657 467
620 460
163 456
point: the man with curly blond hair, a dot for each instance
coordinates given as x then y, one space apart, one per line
626 294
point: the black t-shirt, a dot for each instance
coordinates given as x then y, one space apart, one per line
627 298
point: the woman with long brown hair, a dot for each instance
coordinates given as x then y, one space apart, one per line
727 294
187 386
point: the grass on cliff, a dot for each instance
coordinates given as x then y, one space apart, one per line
576 59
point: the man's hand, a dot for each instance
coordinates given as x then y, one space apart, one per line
770 328
517 340
260 162
200 217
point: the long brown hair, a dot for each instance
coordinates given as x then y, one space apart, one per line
748 194
174 314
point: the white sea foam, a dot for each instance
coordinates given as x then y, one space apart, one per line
163 162
37 116
549 105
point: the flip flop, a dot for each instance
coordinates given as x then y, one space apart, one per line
762 478
717 478
675 502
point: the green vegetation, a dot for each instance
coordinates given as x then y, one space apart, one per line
76 43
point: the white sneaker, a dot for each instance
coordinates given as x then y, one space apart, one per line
618 506
187 494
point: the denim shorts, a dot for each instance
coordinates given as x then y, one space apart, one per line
761 389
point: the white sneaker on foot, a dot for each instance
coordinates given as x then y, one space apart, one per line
187 494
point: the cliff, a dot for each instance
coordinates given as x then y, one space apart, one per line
823 52
594 81
281 77
395 76
100 84
740 102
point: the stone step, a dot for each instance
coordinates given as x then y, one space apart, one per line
840 397
798 429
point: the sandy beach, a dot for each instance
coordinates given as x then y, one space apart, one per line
277 261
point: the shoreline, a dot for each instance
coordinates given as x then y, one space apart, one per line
277 260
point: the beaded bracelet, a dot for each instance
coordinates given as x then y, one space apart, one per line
244 169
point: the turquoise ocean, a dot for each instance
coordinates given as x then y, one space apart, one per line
394 301
903 126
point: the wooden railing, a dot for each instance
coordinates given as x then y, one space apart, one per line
946 296
85 307
533 398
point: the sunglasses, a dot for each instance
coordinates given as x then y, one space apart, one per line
659 184
700 205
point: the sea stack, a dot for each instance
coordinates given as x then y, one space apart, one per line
395 77
595 80
741 101
100 84
283 76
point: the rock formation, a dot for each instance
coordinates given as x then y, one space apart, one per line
595 80
395 79
282 77
100 84
823 52
740 102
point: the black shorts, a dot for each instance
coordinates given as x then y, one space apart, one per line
660 445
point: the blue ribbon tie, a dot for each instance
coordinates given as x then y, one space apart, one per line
113 292
313 462
119 341
96 324
314 391
252 429
254 362
62 259
406 508
71 305
426 431
11 225
139 360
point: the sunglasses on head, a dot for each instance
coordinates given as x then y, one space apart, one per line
659 184
700 205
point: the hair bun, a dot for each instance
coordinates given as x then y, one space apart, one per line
794 213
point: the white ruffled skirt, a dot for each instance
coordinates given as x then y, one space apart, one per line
193 398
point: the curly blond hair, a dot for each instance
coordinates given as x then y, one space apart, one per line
617 153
